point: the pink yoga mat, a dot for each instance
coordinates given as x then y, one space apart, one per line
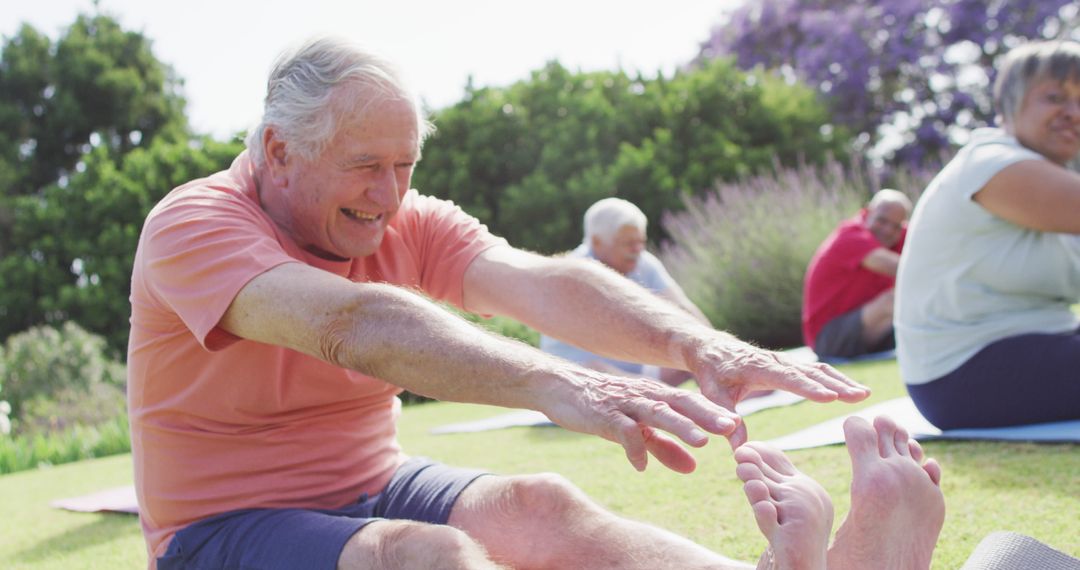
116 500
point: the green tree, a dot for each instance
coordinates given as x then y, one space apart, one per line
530 158
75 243
96 86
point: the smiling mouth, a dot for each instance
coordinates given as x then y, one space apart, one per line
360 216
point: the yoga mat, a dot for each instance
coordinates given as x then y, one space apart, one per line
1004 549
531 418
115 500
903 411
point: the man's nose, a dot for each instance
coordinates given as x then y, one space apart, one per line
384 190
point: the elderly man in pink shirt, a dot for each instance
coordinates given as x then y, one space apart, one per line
279 307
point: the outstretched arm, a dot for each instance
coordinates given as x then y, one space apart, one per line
402 338
595 308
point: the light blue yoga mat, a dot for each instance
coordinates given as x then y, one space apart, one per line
904 412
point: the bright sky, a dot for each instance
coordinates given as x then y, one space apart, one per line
223 49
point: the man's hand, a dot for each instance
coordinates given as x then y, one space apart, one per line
731 371
632 411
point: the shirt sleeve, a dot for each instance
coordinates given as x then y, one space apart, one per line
991 157
444 240
199 251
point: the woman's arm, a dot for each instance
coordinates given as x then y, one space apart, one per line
1034 194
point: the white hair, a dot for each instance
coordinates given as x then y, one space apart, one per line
301 103
890 196
605 218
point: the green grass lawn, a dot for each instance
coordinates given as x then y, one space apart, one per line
1027 488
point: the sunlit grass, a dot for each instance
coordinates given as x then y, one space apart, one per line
1027 488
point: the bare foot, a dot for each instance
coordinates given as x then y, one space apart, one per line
897 508
793 512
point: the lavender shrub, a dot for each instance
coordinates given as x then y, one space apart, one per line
919 68
741 251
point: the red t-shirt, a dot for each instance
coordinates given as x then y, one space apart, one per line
220 423
836 282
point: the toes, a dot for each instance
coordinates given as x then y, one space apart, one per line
773 457
891 437
749 453
766 516
861 440
756 491
902 442
747 472
916 451
933 469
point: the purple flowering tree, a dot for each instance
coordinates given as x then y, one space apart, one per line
911 76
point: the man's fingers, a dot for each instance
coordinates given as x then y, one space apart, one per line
628 434
686 415
848 389
708 415
828 377
738 437
668 451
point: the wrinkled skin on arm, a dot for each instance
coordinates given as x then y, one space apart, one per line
596 309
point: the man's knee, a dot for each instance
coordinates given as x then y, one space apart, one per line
407 544
543 496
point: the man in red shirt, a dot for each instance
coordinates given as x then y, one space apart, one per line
848 292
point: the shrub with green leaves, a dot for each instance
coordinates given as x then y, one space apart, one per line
75 443
741 251
59 364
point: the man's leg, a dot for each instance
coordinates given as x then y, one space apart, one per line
897 508
543 521
877 319
387 544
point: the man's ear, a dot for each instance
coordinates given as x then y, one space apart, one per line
275 153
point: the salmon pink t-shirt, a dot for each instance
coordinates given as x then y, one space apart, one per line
220 423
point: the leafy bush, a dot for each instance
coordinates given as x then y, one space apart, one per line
72 444
741 251
66 365
97 404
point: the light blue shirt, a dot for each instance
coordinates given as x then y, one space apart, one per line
649 273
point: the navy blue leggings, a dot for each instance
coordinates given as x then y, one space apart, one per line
1025 379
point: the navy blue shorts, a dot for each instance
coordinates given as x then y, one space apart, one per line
1025 379
420 490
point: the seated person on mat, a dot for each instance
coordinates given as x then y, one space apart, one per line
985 333
280 306
848 291
615 236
